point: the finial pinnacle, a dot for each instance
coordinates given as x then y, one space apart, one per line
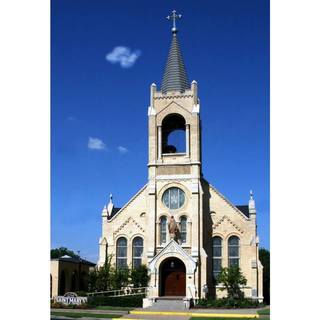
110 198
251 194
174 16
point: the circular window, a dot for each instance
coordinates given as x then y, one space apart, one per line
173 198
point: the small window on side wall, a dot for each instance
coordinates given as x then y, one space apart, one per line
217 256
163 230
183 229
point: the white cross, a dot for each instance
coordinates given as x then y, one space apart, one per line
174 16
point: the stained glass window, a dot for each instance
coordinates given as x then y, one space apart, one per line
163 230
233 251
183 231
217 256
137 250
173 198
122 253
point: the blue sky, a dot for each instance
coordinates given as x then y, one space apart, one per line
99 134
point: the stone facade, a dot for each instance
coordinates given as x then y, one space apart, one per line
207 211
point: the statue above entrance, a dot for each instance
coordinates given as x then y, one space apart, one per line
173 228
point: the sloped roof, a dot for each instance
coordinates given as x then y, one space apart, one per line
74 260
175 77
114 212
244 209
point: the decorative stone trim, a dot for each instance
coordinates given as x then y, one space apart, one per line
216 225
165 97
129 202
173 249
126 222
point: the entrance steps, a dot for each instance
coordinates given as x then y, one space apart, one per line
168 304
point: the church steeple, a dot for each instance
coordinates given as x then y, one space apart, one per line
175 77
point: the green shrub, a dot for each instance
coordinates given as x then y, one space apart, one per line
139 276
125 301
81 293
228 303
59 305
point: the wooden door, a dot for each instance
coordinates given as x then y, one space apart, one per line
173 275
175 283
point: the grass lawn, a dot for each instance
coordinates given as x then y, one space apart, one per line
80 315
113 308
264 312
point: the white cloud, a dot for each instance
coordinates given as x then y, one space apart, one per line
124 56
122 150
96 144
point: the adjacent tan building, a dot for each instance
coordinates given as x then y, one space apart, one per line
69 275
178 224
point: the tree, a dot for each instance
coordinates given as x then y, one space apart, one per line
104 277
140 277
264 257
62 251
232 278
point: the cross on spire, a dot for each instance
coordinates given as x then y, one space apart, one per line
173 17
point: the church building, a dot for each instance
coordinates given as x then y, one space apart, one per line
178 224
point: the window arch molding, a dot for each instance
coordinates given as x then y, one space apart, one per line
173 110
136 235
218 234
233 234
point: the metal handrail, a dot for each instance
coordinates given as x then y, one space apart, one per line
121 292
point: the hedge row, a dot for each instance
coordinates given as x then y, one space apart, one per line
125 301
228 303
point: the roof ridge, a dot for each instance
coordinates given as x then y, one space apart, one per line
227 201
128 203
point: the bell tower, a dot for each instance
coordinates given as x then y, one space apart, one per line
174 120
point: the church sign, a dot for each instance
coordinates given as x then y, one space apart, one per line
70 298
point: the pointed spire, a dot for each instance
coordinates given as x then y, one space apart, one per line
175 77
110 205
252 204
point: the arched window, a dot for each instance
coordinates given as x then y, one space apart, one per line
137 250
122 253
217 256
173 134
183 229
233 251
163 230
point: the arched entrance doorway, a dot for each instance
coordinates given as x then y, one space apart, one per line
172 277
